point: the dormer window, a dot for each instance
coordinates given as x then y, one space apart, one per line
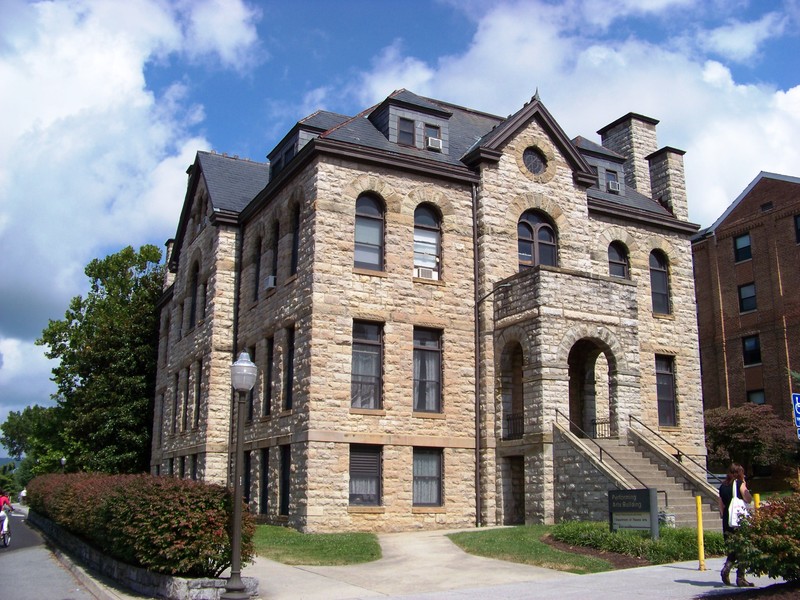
612 182
405 132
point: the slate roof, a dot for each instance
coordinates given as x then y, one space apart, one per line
585 145
631 200
232 182
324 120
465 127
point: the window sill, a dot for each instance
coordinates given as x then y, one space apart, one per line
265 418
362 271
421 510
425 281
428 415
375 412
669 427
663 317
748 312
758 364
366 510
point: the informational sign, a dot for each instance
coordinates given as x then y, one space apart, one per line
633 509
796 409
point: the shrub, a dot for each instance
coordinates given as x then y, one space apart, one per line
673 545
166 525
769 541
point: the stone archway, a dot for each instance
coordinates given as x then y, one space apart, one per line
592 389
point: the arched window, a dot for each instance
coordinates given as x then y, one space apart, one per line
369 233
427 242
276 238
659 283
257 268
295 240
536 241
193 288
618 260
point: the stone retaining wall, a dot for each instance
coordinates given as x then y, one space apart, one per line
141 581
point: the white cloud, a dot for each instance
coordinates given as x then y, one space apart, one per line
24 376
91 159
730 131
225 28
739 41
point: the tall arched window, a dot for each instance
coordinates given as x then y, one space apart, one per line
295 239
257 268
369 233
618 260
427 242
193 287
536 241
659 283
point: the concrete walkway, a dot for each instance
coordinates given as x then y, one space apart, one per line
428 566
411 563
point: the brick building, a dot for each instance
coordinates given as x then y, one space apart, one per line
444 306
747 277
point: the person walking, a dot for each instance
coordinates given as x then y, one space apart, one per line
733 486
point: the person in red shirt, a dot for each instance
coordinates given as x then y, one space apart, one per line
5 505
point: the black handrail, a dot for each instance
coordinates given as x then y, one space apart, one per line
678 454
639 481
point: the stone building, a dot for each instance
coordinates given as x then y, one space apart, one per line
747 281
445 307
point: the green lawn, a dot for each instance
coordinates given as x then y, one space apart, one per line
524 545
290 547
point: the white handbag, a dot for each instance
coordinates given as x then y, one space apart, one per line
737 509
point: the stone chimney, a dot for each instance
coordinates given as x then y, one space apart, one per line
668 181
169 274
634 137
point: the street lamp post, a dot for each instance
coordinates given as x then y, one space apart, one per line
63 462
243 378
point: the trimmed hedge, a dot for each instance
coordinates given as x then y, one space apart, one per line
166 525
672 546
769 541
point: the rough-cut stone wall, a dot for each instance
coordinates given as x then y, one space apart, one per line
580 489
201 351
321 302
552 310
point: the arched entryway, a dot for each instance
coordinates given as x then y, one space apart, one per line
592 389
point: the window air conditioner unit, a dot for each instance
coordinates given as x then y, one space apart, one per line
270 282
425 273
435 143
613 186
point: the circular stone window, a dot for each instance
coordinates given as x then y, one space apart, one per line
534 160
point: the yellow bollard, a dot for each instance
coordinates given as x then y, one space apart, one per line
701 551
757 501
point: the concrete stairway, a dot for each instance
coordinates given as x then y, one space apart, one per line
679 499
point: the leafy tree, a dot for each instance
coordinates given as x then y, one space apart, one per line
748 434
107 348
31 432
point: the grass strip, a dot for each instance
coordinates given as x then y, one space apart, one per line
290 547
524 545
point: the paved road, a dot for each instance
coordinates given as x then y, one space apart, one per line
29 571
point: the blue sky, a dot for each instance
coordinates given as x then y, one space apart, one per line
104 104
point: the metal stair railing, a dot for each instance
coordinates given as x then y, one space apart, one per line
611 456
679 456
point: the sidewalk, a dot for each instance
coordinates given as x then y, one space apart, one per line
428 566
